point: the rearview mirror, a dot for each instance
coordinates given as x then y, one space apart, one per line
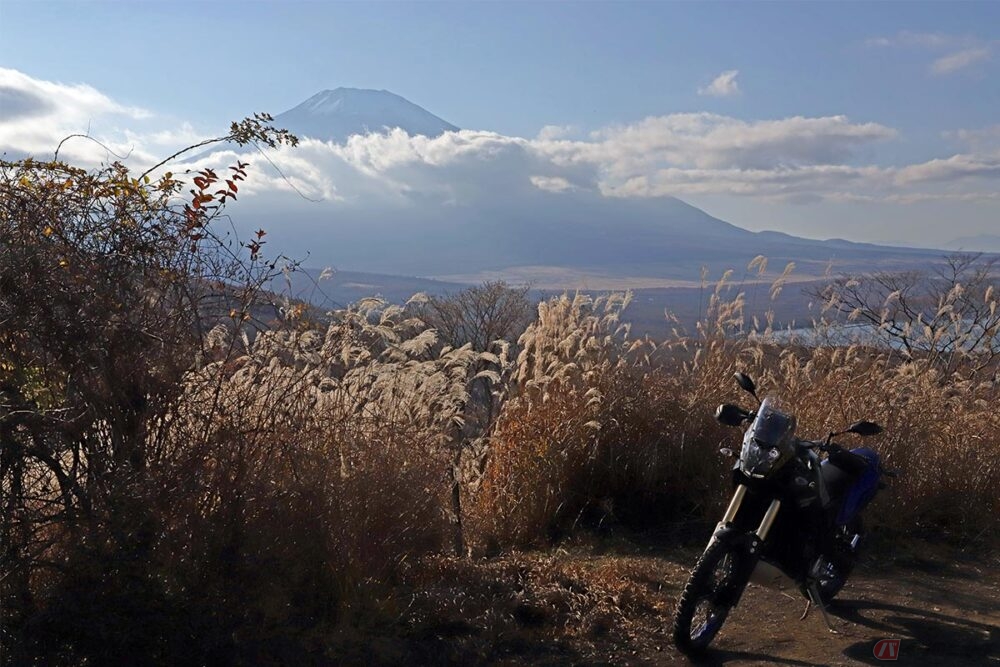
746 384
864 428
731 415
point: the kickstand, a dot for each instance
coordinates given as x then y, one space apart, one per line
805 612
816 600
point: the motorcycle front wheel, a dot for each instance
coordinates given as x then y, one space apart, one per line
712 590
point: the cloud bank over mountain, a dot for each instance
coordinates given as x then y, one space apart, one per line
797 159
794 160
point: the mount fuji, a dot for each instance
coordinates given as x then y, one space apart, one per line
335 115
454 227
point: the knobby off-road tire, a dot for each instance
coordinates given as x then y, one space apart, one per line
711 592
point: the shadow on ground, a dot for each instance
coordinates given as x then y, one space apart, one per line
928 637
715 657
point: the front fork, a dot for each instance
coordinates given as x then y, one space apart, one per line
750 542
724 531
734 506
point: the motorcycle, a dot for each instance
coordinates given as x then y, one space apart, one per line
794 520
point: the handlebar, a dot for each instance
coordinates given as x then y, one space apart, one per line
822 445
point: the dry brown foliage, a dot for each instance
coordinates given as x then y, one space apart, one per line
180 491
598 424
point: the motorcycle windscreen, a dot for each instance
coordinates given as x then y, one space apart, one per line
767 439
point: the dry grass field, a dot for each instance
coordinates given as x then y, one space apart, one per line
184 486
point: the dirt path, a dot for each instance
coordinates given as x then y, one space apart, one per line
942 616
596 606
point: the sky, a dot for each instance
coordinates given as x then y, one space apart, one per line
873 122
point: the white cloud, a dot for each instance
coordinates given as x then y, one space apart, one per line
185 135
983 139
950 169
964 50
724 85
797 159
35 115
794 160
960 60
706 140
951 179
928 40
554 132
551 183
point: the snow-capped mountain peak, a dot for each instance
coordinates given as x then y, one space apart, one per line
334 115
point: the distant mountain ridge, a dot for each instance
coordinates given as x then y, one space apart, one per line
551 239
980 243
335 115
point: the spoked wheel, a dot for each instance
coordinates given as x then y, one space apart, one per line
711 592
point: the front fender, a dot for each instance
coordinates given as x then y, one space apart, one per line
747 539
